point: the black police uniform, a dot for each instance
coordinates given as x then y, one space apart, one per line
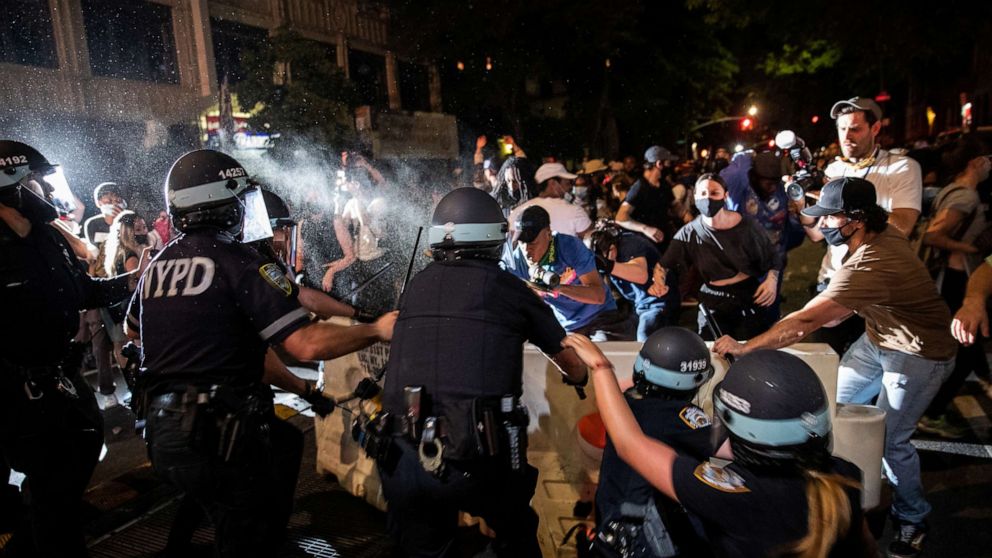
460 335
51 428
207 308
750 512
679 424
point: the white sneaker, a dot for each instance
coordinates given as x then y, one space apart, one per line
109 401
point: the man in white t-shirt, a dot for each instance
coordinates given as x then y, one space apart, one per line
553 181
898 184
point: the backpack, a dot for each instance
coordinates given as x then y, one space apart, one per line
933 258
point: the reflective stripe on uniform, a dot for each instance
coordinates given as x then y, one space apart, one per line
282 322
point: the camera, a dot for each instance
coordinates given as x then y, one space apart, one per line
544 277
807 177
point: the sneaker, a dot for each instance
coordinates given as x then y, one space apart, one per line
940 426
908 541
109 401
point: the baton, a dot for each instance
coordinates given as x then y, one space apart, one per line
367 282
409 269
714 328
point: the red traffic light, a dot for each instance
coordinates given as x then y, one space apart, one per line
747 124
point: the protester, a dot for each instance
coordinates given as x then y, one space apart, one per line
755 189
627 258
553 182
736 260
650 207
560 269
973 316
897 182
958 219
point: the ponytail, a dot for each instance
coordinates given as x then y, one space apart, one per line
829 516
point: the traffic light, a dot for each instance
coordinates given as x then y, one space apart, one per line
747 124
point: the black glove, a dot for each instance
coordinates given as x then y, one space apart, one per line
364 316
320 404
603 265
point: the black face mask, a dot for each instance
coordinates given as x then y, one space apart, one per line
709 207
141 238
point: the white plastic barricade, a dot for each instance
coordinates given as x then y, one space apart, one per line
567 461
859 437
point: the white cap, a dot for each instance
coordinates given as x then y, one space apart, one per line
552 170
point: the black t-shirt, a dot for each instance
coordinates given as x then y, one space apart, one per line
652 206
631 246
679 424
208 307
745 248
320 246
460 334
96 229
43 286
745 514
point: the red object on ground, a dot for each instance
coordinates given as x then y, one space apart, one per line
592 430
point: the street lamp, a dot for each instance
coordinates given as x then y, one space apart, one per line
752 110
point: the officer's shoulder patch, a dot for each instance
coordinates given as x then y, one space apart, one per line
274 276
694 417
720 478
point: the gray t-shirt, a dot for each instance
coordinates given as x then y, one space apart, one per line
967 202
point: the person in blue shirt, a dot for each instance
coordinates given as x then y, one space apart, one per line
754 188
560 269
627 258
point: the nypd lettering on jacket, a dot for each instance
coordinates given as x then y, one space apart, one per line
179 277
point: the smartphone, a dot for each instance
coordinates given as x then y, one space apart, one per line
505 149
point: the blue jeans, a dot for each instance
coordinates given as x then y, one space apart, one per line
649 320
904 384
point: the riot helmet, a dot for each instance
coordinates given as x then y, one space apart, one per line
209 189
467 223
673 362
27 181
284 229
775 410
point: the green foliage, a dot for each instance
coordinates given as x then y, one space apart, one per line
304 95
817 55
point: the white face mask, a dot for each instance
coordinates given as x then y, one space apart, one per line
108 209
580 192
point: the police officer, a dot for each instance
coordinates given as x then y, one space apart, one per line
282 248
783 493
207 310
456 362
51 429
635 520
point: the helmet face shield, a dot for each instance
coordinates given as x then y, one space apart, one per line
57 188
256 224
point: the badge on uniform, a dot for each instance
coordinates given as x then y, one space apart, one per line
720 478
694 417
274 276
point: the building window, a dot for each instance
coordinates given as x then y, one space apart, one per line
231 41
368 72
415 91
26 36
130 39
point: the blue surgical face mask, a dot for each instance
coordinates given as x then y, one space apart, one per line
835 235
